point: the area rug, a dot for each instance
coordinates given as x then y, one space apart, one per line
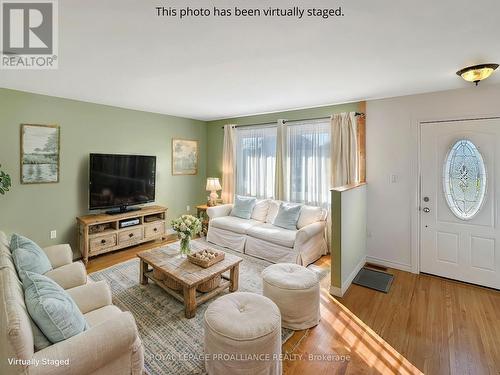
172 343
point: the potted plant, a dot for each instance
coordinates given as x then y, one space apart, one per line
5 182
186 226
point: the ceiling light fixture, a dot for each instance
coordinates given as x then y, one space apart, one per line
477 73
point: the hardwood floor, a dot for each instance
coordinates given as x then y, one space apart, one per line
424 324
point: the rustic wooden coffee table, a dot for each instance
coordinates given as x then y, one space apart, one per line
166 261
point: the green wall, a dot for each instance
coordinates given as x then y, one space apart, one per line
215 133
34 210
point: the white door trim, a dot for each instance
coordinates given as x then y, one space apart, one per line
415 173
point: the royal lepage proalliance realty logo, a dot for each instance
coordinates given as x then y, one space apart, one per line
29 34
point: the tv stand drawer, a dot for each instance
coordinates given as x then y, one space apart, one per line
154 229
130 235
102 242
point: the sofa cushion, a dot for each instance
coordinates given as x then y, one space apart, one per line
28 256
309 215
233 224
243 206
288 215
69 276
272 211
260 210
98 316
51 308
273 234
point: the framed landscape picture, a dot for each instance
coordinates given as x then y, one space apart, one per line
184 157
39 154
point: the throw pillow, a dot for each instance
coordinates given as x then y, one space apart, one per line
272 211
51 308
287 217
28 256
243 207
309 215
259 212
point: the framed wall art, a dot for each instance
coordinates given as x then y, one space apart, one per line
39 154
184 157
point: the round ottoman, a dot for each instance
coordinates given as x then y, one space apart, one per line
295 290
242 335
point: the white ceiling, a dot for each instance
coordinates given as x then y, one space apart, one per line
119 53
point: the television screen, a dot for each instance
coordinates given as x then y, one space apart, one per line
121 180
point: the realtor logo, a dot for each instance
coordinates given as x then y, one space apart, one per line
29 34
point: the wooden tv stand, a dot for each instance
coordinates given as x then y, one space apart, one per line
101 233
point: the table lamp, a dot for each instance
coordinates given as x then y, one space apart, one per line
213 185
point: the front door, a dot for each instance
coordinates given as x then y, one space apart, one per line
459 229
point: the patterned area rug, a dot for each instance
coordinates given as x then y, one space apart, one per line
172 343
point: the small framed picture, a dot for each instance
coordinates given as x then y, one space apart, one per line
39 154
184 157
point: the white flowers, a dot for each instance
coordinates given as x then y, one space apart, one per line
186 226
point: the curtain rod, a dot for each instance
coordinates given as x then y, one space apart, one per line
285 121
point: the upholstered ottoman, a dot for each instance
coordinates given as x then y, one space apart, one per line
295 290
243 335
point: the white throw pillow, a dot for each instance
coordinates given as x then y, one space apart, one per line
309 215
274 207
260 210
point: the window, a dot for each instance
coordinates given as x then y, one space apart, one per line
256 161
464 179
308 162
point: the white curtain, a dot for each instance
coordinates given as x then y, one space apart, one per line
228 164
256 161
344 167
279 188
307 174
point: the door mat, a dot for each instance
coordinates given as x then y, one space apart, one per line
372 279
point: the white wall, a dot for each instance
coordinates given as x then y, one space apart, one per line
391 147
353 237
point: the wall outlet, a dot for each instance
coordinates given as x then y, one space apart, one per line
53 234
188 208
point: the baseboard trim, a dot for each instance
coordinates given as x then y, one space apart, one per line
390 264
346 284
339 292
334 291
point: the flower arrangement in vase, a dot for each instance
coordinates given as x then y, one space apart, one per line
186 226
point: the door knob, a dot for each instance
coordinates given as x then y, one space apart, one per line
426 209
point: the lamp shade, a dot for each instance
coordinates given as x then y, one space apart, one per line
213 184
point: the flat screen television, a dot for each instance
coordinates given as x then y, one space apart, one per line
120 181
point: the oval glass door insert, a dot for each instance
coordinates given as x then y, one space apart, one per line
464 179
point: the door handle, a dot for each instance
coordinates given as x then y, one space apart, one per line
426 209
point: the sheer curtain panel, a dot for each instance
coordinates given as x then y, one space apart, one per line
308 162
256 161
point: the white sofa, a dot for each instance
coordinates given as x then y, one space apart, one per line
259 238
111 345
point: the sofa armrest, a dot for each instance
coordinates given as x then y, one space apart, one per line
217 211
59 255
91 296
69 276
92 349
309 231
